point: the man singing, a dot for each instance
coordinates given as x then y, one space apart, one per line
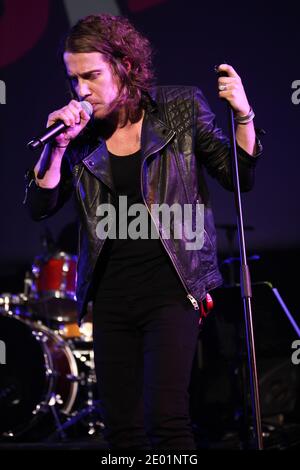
149 145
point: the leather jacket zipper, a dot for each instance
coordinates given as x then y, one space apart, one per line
189 295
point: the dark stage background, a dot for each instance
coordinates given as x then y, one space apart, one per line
261 40
189 38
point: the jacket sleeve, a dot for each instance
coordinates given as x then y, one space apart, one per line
43 202
212 147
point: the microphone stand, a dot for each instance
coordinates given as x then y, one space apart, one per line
246 292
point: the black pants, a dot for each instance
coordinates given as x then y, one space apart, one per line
144 349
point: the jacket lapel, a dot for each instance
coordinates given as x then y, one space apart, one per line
97 162
155 136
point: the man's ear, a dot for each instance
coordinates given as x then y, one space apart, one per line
127 64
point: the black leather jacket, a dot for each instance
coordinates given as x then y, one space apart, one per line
179 139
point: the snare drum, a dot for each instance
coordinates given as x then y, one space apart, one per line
40 372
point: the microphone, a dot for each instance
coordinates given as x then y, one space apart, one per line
55 129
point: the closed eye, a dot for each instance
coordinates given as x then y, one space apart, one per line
92 75
86 76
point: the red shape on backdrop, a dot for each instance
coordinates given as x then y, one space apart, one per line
21 26
140 5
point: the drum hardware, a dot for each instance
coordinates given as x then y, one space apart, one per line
50 381
7 299
27 284
49 384
35 377
89 414
5 302
14 304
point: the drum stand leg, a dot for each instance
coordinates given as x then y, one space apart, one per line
88 410
59 425
92 408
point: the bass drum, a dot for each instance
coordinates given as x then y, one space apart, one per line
39 378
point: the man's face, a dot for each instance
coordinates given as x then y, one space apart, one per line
93 80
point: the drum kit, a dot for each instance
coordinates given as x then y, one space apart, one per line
48 383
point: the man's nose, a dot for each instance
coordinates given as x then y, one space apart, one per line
83 89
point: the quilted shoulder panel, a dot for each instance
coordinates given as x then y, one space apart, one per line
176 106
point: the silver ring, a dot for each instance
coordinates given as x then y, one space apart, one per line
222 87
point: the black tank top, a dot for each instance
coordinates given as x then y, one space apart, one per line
134 266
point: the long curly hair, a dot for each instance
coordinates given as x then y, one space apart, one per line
117 39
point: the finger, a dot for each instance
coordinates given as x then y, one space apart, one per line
54 117
229 84
75 110
228 80
84 115
80 115
72 115
230 95
76 104
225 87
224 94
79 112
64 115
228 69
